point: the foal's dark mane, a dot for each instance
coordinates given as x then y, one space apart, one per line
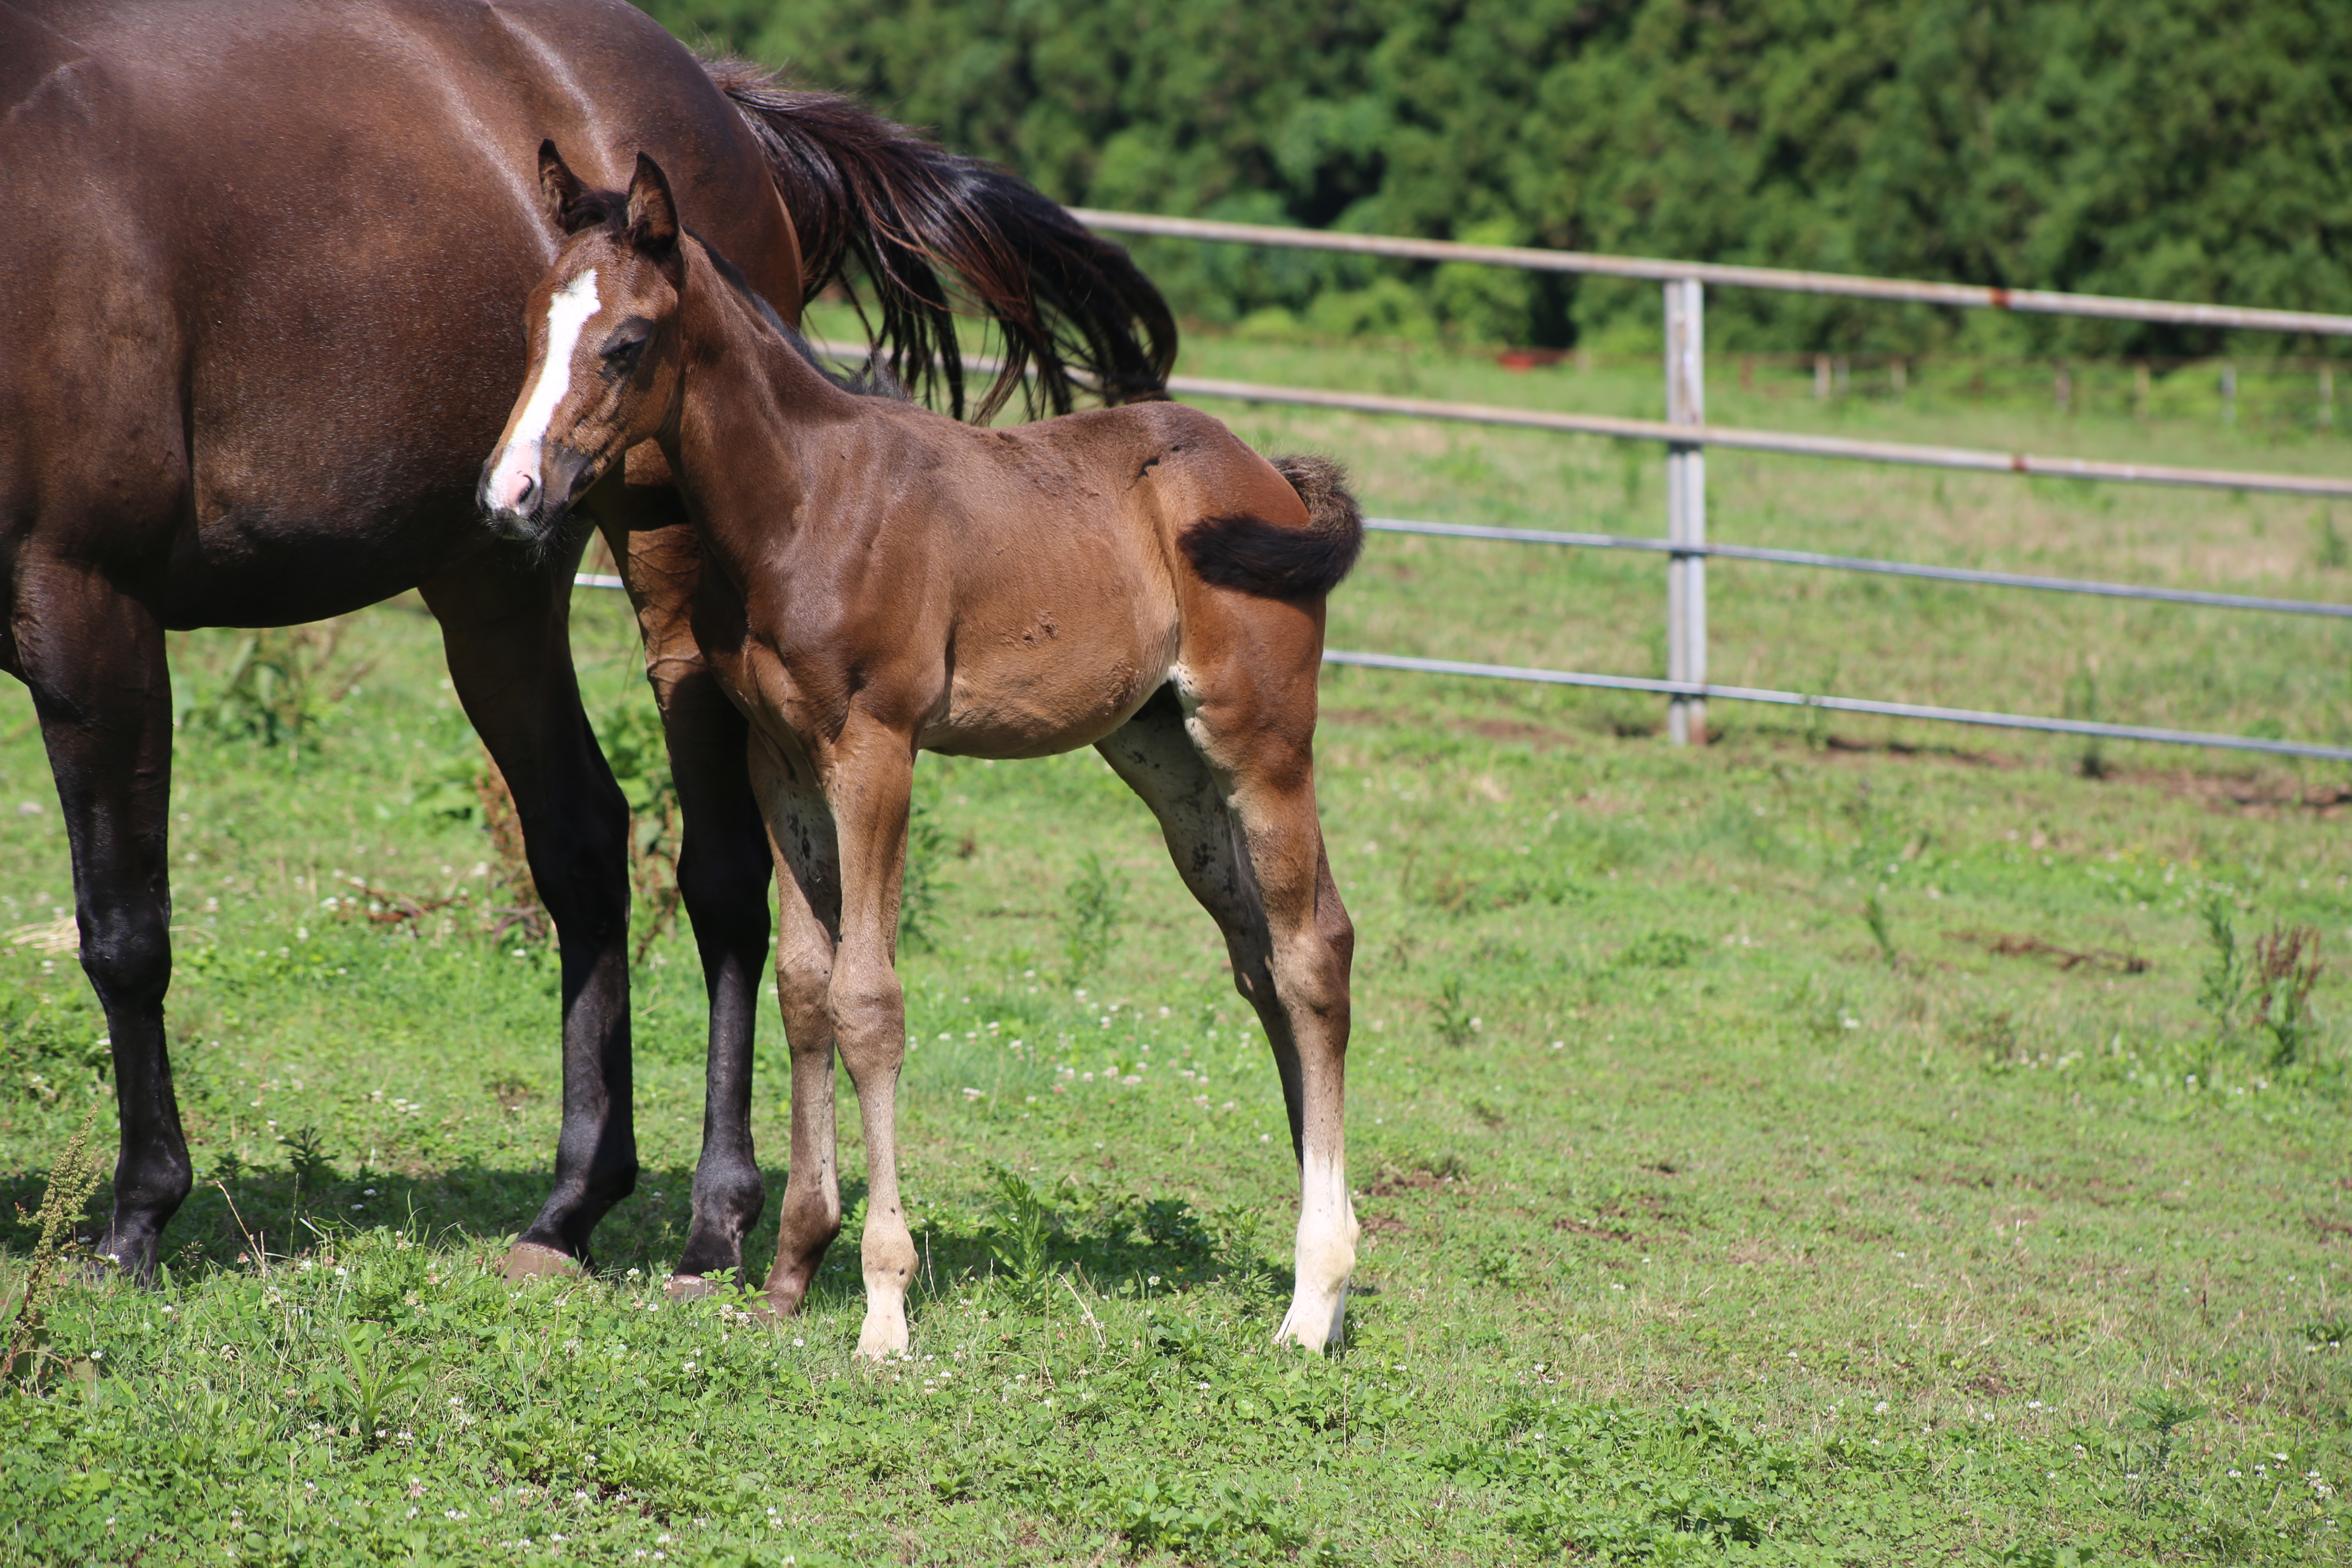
873 380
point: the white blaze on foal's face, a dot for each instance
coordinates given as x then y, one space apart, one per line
515 478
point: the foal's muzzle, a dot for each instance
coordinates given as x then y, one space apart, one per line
529 506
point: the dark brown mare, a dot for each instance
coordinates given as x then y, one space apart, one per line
883 581
267 263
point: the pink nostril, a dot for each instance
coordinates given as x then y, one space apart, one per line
513 490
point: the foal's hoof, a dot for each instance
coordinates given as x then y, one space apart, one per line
530 1260
773 1307
1312 1324
687 1287
884 1334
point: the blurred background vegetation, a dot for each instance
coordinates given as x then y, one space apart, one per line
2184 149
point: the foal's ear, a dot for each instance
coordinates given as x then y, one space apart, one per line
568 208
653 216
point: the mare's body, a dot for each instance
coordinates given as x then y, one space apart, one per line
881 580
258 329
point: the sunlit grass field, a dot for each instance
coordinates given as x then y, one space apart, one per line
1846 1143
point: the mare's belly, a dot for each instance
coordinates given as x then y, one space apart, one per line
282 568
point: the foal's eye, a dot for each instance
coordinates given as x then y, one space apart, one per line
623 353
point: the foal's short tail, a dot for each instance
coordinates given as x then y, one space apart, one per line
1273 561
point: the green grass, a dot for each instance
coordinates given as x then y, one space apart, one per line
1740 1179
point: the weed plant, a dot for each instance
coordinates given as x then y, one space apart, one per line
1874 915
2286 964
25 1354
1090 918
1450 1015
919 898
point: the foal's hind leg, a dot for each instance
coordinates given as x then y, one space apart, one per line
1237 807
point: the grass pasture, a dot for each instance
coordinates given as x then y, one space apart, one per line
1846 1144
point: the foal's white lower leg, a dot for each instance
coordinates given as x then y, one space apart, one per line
1309 946
887 1251
1326 1254
808 880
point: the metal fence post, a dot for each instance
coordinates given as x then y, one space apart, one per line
1686 509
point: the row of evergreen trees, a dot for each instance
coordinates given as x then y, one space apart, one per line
2185 149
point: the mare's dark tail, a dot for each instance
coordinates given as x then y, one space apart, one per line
866 191
1277 563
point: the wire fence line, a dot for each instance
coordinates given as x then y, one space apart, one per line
1700 691
1758 694
1786 442
1863 564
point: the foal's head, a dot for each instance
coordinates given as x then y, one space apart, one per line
604 368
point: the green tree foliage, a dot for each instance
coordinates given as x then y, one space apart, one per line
2191 149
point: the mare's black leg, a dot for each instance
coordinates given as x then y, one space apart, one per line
93 656
504 624
722 876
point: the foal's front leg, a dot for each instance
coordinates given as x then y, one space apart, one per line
870 775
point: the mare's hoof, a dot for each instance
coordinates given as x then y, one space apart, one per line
114 1255
107 1268
530 1260
687 1287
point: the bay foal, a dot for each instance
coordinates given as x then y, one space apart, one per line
889 580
